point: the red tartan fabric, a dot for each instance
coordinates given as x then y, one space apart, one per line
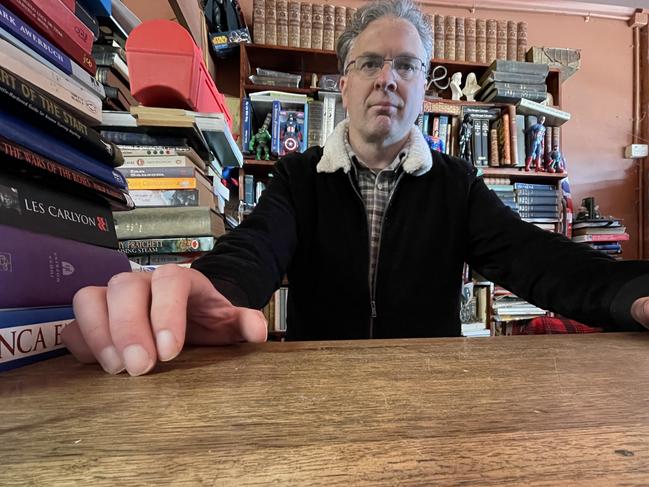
545 325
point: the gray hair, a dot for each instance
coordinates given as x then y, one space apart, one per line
402 9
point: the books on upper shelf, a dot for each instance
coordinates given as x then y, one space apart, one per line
553 116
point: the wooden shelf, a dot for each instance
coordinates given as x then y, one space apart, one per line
257 162
287 89
519 172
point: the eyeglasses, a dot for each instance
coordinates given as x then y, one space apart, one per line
370 66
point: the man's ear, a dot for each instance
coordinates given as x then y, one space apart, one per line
342 84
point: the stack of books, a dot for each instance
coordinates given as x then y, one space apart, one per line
174 161
58 179
538 203
603 234
508 81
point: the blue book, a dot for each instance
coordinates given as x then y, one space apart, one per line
246 115
28 335
275 140
101 8
44 144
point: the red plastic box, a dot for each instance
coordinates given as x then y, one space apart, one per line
166 69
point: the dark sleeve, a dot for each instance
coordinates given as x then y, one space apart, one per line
548 269
248 263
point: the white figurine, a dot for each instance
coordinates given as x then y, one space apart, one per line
471 87
456 90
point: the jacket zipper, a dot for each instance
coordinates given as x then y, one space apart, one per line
378 254
369 243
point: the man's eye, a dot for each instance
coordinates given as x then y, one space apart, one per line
371 64
406 66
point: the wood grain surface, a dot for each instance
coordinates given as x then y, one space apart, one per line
531 410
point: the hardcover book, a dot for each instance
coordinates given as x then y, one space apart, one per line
41 109
440 37
168 222
328 15
481 41
30 205
259 21
44 144
29 335
501 39
167 245
306 24
41 270
449 37
20 160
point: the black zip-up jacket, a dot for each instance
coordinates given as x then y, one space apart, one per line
311 225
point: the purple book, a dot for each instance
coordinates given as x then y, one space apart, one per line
40 270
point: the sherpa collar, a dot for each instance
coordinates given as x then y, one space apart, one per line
334 156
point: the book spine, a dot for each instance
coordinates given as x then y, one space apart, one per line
101 8
477 142
315 123
350 13
534 199
294 23
470 35
42 22
162 183
535 186
328 19
513 135
26 344
481 41
157 161
340 22
484 133
39 107
492 40
43 143
317 21
501 39
167 222
271 23
32 206
494 156
249 190
159 172
547 146
505 95
529 87
306 24
66 20
507 147
512 40
135 138
519 78
275 129
508 66
521 41
246 125
166 245
146 198
440 36
460 39
85 104
40 270
449 37
259 21
23 157
281 13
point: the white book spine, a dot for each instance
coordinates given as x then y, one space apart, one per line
156 161
73 96
29 340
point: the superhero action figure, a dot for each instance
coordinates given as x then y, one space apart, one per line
434 142
556 162
291 135
260 142
536 145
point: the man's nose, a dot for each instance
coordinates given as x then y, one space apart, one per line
387 78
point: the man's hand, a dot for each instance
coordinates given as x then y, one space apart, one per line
640 311
142 317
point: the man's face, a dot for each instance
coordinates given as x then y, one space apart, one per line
382 110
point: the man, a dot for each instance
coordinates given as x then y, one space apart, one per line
372 232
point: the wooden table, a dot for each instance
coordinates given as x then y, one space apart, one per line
544 410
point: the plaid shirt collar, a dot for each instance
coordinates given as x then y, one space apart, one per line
395 165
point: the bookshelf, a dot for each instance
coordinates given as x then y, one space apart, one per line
307 62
